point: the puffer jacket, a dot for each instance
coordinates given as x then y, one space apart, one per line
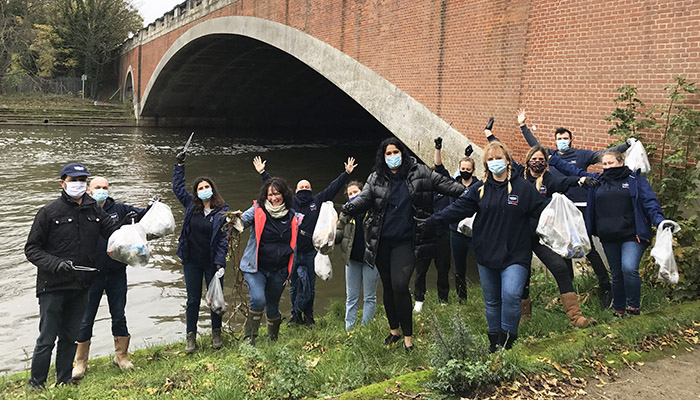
345 236
65 231
422 183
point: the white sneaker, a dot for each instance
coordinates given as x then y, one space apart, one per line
418 307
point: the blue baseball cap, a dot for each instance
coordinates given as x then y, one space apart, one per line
74 170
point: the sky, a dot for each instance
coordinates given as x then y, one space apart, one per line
152 9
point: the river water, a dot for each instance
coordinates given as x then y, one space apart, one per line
138 162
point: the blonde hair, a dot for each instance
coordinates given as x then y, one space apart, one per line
530 153
488 150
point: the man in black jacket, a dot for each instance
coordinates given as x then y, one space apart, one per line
61 243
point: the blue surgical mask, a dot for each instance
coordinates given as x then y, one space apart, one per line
100 195
497 167
205 194
394 161
563 145
353 197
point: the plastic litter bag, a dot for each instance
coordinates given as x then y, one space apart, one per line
323 267
128 244
466 225
636 158
158 221
324 234
561 228
663 255
215 296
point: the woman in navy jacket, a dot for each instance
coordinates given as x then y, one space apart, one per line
202 246
620 212
504 203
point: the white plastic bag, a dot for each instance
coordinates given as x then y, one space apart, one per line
128 244
215 296
466 226
663 255
323 267
158 221
636 158
324 234
561 228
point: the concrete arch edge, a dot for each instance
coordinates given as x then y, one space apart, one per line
405 117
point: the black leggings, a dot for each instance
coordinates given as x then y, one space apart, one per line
395 263
442 264
601 272
555 264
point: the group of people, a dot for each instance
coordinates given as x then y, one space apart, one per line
403 217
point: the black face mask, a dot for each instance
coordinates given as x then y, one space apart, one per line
466 175
537 166
304 196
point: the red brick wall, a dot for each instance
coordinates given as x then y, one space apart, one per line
468 60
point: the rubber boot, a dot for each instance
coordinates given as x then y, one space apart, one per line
81 358
526 307
273 328
216 340
493 341
506 339
191 343
573 311
121 352
252 325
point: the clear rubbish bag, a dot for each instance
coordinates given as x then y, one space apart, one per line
561 228
323 267
636 158
466 226
324 234
215 295
663 255
158 221
128 245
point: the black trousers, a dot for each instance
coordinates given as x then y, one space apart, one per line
395 262
555 264
596 263
442 264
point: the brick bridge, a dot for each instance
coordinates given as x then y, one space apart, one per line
415 68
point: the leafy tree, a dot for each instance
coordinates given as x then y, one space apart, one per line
90 31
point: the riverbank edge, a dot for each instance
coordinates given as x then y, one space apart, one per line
541 352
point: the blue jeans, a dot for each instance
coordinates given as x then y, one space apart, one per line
265 288
502 291
193 282
360 275
60 313
624 258
114 285
305 261
460 245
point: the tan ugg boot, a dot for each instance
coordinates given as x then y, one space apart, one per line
81 358
573 311
121 352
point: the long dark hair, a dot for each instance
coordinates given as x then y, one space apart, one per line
406 161
281 186
216 199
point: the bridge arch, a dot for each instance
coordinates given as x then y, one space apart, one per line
223 50
128 85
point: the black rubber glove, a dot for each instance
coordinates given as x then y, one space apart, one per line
130 217
590 182
468 151
423 225
490 124
153 200
667 225
180 157
348 208
64 266
438 143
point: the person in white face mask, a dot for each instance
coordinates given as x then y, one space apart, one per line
61 243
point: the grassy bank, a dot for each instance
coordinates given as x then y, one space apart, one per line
328 361
54 109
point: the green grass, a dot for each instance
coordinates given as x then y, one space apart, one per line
328 361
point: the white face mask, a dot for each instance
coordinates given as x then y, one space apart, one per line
75 189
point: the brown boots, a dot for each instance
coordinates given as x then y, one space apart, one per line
121 352
251 327
573 311
82 354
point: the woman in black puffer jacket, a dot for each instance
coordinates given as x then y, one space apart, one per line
399 190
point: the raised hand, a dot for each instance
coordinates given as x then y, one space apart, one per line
180 157
521 116
350 165
259 164
438 143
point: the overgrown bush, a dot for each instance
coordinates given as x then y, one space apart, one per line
675 176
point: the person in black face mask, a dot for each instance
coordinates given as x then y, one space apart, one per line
303 277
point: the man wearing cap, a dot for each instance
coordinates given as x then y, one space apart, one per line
63 238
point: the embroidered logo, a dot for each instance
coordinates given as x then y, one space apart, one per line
543 189
512 199
625 185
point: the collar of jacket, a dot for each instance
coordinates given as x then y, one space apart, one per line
86 202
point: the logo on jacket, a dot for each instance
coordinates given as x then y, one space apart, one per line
313 207
512 199
543 189
625 185
114 216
